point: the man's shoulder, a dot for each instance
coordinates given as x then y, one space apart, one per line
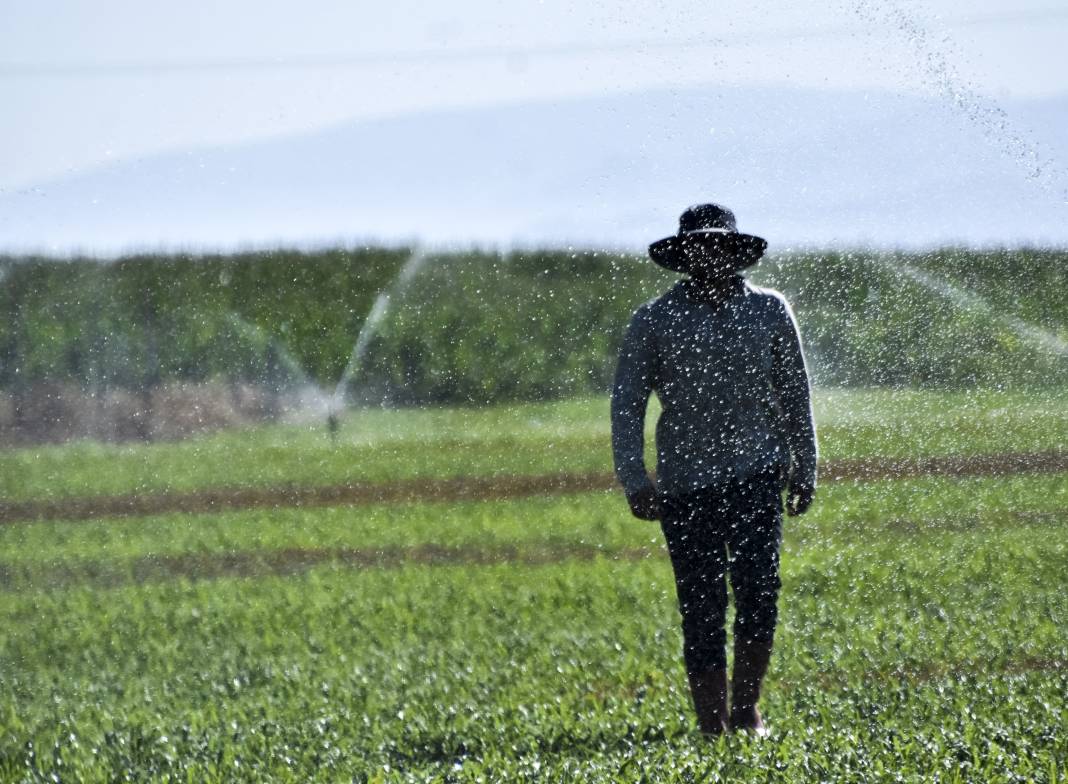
764 294
769 298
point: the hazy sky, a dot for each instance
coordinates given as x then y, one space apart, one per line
86 83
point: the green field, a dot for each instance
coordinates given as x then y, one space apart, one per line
383 444
923 632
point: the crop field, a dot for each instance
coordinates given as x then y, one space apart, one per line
491 328
533 637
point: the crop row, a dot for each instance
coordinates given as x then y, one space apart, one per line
540 528
910 656
572 436
477 327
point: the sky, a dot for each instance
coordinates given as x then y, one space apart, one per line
84 84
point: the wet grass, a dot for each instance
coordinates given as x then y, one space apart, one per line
901 657
570 436
598 519
922 635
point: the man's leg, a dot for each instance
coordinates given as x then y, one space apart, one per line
699 559
755 538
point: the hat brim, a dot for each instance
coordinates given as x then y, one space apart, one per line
728 251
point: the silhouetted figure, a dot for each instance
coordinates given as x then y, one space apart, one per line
724 357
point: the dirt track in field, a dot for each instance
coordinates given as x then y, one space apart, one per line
150 568
292 561
486 488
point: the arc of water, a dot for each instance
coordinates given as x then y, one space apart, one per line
940 74
373 322
1033 334
259 333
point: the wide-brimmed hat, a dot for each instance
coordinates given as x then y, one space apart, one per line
708 237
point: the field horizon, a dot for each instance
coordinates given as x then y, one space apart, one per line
151 347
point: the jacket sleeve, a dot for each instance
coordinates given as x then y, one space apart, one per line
791 384
634 382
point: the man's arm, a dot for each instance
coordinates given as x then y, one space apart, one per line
635 377
791 384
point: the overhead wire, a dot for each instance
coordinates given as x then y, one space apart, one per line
10 70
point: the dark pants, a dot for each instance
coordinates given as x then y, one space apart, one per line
735 529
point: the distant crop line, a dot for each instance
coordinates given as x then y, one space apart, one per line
489 488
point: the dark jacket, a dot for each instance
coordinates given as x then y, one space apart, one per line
732 384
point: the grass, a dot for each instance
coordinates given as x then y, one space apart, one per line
901 655
846 509
921 636
380 445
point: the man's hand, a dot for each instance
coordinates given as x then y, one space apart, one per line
799 498
645 503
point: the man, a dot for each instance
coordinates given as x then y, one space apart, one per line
724 357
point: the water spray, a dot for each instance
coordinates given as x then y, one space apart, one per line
939 73
368 330
1033 334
